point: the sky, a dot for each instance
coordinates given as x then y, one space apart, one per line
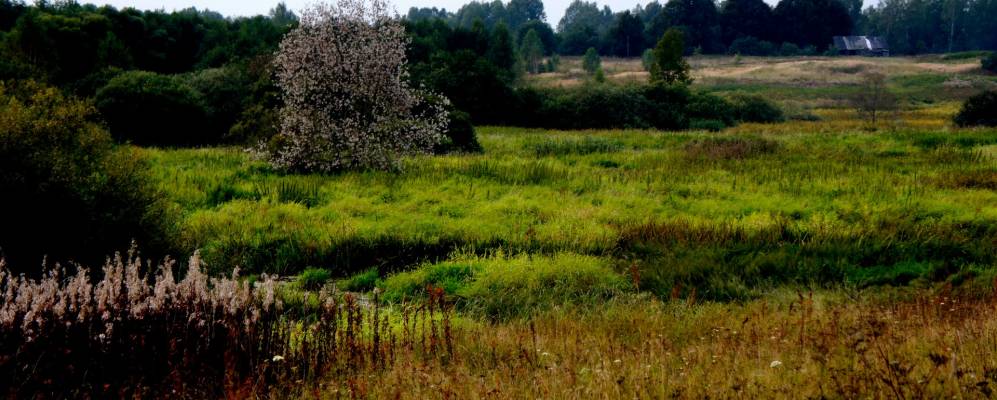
554 8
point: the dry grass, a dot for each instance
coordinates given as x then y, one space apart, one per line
795 71
804 346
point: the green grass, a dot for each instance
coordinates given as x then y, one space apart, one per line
727 214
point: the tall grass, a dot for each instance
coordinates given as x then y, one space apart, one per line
137 331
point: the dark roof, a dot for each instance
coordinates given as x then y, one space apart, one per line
871 43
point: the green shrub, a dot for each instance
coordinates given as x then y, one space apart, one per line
459 136
990 62
979 110
667 106
313 278
451 276
504 287
707 106
522 285
223 91
362 282
68 192
789 49
152 109
750 46
711 125
754 108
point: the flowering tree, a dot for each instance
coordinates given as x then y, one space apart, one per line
347 103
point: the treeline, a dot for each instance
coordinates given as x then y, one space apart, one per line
740 26
165 78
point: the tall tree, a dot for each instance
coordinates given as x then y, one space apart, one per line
500 49
349 106
698 20
591 61
626 37
532 51
668 65
520 11
580 27
812 22
743 18
544 31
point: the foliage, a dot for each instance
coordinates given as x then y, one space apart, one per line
751 46
151 109
989 62
460 135
69 193
591 62
313 278
979 110
755 108
362 282
508 287
532 51
348 106
223 92
669 66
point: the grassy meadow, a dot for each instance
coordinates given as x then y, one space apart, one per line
730 214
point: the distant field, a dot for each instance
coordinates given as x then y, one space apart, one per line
796 71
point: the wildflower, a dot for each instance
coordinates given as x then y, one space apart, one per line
775 364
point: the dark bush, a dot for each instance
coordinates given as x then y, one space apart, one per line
750 46
979 110
706 106
660 106
313 278
711 125
667 106
223 91
152 109
990 62
460 135
67 191
590 107
754 108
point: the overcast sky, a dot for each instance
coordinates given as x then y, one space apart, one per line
555 8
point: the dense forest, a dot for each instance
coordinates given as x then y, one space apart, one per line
142 66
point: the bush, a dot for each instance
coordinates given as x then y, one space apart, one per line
990 62
668 106
362 282
68 192
711 125
754 108
979 110
789 49
223 90
586 107
660 106
750 46
502 288
706 106
313 278
152 109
